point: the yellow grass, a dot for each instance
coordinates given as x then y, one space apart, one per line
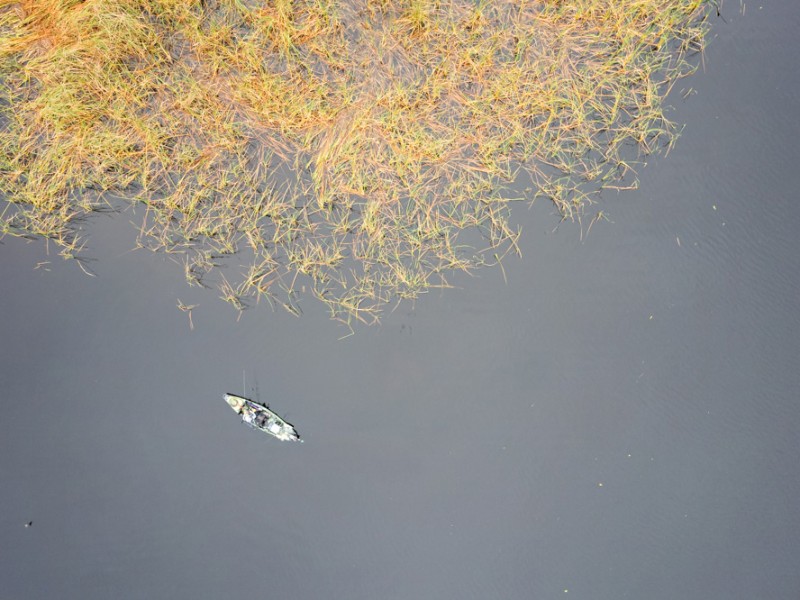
342 146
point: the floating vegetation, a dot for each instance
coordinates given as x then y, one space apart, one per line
346 147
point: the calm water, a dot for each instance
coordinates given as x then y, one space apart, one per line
619 420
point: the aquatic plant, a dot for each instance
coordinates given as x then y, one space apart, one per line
345 146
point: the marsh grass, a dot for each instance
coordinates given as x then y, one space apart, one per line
343 146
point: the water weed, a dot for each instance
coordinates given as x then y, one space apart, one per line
344 147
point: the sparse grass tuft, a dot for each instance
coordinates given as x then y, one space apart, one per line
339 145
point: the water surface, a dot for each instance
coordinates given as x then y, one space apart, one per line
619 420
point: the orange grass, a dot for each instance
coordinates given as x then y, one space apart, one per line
342 146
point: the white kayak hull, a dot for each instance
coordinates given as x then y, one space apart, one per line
261 417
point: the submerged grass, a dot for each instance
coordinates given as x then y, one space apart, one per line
345 146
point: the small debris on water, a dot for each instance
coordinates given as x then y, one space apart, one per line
29 523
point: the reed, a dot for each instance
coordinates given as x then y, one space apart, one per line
341 146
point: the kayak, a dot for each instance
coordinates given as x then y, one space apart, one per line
261 417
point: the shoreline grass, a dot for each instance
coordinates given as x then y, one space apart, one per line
342 146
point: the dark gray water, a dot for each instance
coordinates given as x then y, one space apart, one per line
620 420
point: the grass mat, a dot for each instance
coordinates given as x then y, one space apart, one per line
354 148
